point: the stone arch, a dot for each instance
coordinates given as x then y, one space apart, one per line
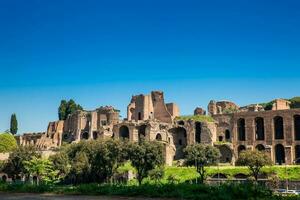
260 147
226 154
4 178
297 154
180 141
124 132
198 130
241 148
241 129
139 116
297 127
85 135
278 128
240 176
158 137
227 135
219 175
259 128
142 131
279 154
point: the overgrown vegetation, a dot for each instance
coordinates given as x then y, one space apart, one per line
179 191
255 160
295 103
7 142
67 108
198 118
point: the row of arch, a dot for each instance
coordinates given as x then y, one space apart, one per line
124 132
260 128
280 156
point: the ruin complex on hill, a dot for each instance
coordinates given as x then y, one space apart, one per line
227 126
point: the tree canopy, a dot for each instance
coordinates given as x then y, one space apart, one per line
13 124
255 160
66 108
200 155
145 156
7 142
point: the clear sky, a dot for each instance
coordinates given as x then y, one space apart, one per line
102 52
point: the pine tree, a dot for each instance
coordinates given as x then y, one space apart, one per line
13 124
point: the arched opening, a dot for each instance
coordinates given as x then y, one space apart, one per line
4 178
260 147
241 130
279 154
180 141
227 135
65 136
124 132
297 127
85 136
297 154
259 128
95 135
219 175
158 137
198 132
278 128
34 179
241 148
181 123
139 116
220 138
142 131
226 154
241 176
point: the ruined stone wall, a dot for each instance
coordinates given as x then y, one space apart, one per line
173 109
269 142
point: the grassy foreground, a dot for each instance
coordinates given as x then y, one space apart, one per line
188 173
178 191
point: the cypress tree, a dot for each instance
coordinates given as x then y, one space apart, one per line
13 124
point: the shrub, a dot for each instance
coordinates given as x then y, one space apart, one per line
7 142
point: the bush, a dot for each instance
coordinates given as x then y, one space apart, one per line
7 142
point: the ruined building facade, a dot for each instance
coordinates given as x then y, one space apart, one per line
230 128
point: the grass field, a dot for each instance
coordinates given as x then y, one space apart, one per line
187 173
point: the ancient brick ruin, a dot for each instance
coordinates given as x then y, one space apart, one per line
233 128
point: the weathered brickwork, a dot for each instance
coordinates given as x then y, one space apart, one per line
235 128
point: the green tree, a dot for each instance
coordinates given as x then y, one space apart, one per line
66 108
61 163
145 156
14 166
7 142
108 156
200 156
255 160
81 168
43 169
13 124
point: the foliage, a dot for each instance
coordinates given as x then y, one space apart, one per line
255 160
14 166
145 156
180 191
61 163
199 156
295 102
13 124
43 169
157 174
67 108
198 118
7 142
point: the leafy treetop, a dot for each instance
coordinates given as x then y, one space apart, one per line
67 108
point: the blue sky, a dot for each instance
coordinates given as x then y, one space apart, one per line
102 52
